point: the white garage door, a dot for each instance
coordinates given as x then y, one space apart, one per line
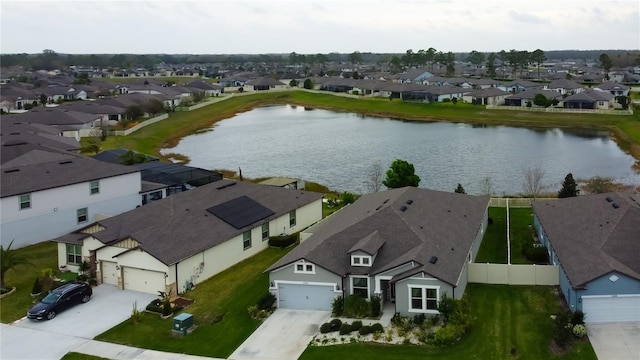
143 280
611 308
305 297
109 272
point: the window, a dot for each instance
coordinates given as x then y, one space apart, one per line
25 201
361 260
246 239
265 232
292 218
82 215
304 268
360 286
94 187
74 254
423 299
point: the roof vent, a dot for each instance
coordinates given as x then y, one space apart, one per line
65 162
615 206
11 171
609 199
409 202
385 201
433 260
225 186
379 207
403 208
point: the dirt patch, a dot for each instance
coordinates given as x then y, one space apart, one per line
182 302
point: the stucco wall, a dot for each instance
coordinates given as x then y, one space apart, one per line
403 298
321 276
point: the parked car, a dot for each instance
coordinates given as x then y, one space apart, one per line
59 299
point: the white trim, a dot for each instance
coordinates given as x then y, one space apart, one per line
377 280
360 277
304 267
608 296
361 259
424 298
314 283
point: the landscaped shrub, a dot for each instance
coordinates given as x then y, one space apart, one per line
536 254
283 241
356 325
325 328
377 328
337 307
396 319
562 330
266 301
365 330
345 329
448 334
335 324
580 331
446 307
356 306
376 306
419 319
155 306
37 287
166 307
577 318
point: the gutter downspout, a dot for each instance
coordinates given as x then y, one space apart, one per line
177 284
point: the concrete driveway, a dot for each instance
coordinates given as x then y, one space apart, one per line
283 336
615 341
52 339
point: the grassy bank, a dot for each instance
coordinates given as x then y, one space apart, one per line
166 134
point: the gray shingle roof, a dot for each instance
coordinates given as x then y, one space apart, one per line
434 223
55 116
180 226
591 237
40 168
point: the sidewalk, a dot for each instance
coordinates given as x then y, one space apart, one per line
123 352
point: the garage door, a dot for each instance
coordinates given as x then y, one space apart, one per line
143 280
109 272
305 297
611 308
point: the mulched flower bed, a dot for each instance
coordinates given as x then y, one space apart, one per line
182 302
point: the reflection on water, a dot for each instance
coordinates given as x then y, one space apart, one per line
338 149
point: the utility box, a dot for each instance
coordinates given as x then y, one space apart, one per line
182 322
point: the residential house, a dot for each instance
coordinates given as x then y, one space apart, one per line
109 115
564 87
594 239
15 97
265 83
208 88
287 183
517 86
71 123
487 96
590 99
525 98
614 88
47 192
409 246
175 243
413 76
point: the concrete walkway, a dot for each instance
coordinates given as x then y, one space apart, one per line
122 352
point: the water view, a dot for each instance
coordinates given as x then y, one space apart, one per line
338 150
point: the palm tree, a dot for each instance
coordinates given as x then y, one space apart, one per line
9 259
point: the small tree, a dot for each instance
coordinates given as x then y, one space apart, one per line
532 184
401 174
9 259
374 178
347 198
293 83
460 189
569 187
133 112
600 185
43 99
131 158
487 185
308 84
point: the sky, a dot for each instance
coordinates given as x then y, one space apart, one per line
316 26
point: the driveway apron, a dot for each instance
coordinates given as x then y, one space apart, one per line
615 341
284 335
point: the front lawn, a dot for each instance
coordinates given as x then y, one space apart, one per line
220 313
40 256
510 322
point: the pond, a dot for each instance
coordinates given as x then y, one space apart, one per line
339 149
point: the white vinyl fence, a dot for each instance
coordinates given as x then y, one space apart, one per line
513 274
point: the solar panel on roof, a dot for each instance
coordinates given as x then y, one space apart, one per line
240 212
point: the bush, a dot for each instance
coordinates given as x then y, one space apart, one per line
577 318
446 307
266 301
37 286
335 325
283 241
536 254
325 328
580 331
396 319
562 329
356 306
419 319
377 328
376 306
448 334
337 307
345 329
166 308
155 306
356 325
365 330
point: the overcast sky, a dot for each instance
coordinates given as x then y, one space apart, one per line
318 26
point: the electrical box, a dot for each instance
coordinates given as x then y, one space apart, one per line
182 322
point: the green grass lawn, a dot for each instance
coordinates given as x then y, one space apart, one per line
505 318
520 218
494 244
40 256
227 294
79 356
